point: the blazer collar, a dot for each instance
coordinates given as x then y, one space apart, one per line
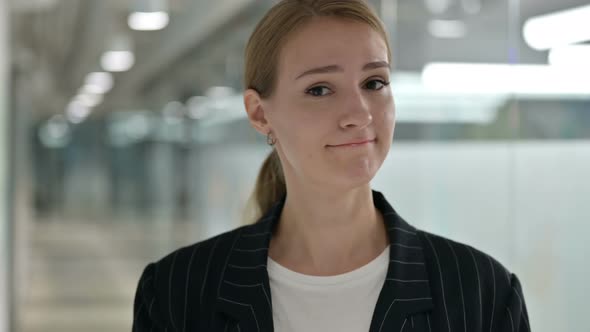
244 292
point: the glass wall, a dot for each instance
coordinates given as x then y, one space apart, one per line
491 146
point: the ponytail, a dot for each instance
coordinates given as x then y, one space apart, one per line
270 187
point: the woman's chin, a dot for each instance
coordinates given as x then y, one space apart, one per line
356 175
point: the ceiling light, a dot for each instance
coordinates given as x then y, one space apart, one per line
486 79
556 29
98 82
89 100
90 89
571 56
117 61
148 21
76 111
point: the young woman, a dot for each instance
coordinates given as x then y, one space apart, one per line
327 253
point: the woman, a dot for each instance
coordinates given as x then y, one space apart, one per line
328 253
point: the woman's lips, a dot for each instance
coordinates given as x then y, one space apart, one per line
354 144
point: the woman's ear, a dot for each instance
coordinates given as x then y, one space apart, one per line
256 113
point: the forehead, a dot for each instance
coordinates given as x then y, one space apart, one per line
331 41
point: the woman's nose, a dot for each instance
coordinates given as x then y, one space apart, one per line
357 112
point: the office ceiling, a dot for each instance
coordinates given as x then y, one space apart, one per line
56 43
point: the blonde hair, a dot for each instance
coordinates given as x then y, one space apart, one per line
261 63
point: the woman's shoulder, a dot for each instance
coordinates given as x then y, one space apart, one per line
465 271
454 260
184 279
472 288
202 255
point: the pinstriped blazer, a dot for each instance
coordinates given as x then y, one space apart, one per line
432 284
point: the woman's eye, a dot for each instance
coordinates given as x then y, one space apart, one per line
376 84
318 91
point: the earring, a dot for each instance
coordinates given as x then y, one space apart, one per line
270 140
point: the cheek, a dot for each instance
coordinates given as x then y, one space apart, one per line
385 126
305 122
385 117
391 115
300 134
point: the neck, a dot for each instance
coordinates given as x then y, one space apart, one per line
326 233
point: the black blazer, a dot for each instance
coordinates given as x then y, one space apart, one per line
432 284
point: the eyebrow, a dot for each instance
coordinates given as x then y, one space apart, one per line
336 68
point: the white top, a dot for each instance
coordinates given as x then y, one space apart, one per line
343 302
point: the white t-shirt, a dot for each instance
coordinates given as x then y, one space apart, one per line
343 303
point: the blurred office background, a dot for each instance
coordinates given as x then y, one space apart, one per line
124 137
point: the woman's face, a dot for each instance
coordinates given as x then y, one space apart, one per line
332 90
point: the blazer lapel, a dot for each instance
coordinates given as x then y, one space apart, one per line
406 290
244 294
